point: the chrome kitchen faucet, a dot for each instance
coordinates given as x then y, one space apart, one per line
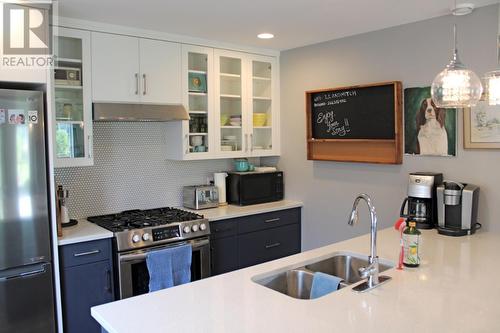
370 272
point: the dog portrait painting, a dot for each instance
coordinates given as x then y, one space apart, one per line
429 130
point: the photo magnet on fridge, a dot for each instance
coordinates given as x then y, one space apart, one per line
16 117
429 130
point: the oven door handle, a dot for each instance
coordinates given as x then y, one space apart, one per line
195 244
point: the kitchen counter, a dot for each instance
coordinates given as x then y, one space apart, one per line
453 290
87 231
84 231
232 211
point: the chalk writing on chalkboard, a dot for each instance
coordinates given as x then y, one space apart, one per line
333 126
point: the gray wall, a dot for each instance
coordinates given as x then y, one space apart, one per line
130 171
414 54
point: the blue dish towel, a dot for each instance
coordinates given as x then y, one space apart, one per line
323 284
169 267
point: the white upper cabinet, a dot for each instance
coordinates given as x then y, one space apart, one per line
133 70
160 67
115 68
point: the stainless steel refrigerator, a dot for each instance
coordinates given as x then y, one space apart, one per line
26 283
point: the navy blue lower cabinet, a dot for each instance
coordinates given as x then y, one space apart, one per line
254 239
85 285
224 255
266 245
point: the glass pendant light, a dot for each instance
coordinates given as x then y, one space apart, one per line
456 86
492 78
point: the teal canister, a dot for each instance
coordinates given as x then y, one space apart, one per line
241 165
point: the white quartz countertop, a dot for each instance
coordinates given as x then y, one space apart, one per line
232 211
84 231
87 231
453 290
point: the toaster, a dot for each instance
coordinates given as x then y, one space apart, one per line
201 196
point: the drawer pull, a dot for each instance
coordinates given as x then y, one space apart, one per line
81 254
222 229
270 246
272 220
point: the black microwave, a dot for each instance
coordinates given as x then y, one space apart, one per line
249 188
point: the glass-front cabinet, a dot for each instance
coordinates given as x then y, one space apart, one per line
72 99
198 97
233 102
263 136
231 138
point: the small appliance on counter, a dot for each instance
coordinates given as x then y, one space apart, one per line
421 203
201 196
249 188
220 182
62 213
457 208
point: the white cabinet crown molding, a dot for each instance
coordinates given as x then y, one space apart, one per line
144 33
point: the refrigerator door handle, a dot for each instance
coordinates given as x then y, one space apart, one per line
23 274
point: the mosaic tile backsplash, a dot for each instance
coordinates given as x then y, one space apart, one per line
131 171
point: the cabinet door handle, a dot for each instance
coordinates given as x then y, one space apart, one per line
108 280
90 146
144 81
272 220
246 142
251 142
136 83
88 253
270 246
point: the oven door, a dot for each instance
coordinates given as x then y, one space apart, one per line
133 275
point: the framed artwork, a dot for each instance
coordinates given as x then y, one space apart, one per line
482 126
198 82
429 130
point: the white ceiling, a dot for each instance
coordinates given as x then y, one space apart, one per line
294 22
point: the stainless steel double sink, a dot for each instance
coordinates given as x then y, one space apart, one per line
297 282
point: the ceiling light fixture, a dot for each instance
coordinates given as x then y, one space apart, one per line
456 86
462 9
265 35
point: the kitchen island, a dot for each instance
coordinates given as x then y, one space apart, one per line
453 290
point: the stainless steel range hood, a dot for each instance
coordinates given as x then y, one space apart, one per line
139 112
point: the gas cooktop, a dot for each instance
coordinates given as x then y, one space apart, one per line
135 229
138 219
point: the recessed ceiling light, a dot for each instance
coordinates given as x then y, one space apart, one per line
265 35
463 9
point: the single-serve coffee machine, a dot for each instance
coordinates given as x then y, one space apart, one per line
421 203
457 208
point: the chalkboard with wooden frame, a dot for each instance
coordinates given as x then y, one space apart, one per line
360 123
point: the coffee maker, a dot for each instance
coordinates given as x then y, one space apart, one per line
421 204
457 208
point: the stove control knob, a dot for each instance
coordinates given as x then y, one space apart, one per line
187 229
194 228
203 227
136 238
145 237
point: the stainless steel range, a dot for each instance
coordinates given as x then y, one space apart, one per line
139 232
